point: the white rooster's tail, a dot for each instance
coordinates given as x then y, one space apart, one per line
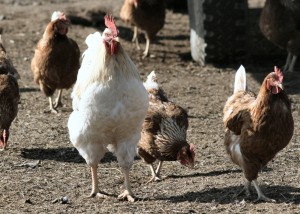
151 82
240 80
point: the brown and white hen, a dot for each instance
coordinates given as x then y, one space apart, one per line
257 127
164 131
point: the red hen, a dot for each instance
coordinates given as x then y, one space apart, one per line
56 60
257 127
9 95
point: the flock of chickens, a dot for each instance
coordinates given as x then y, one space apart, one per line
113 109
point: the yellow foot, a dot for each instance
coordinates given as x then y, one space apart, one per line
127 195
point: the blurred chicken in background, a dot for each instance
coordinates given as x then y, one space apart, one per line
280 23
146 15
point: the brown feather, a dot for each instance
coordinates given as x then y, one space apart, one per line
56 61
164 129
9 93
149 15
280 23
261 125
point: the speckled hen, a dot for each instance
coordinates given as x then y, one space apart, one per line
164 131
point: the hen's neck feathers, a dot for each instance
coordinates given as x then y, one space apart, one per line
266 100
50 34
99 66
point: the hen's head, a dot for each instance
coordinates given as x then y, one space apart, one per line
3 138
61 23
274 81
110 35
186 156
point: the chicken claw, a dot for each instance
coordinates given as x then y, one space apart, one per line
97 194
127 195
264 198
155 178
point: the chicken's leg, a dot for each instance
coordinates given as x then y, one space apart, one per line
95 188
135 37
154 175
146 52
290 63
127 192
261 196
245 189
157 172
52 109
58 99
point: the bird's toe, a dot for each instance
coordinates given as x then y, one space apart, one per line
126 195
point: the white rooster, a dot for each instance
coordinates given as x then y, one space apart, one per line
109 105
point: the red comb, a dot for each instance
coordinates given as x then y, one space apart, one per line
278 73
110 23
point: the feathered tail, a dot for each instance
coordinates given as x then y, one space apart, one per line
240 80
151 82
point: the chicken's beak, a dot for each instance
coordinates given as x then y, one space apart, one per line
116 39
280 86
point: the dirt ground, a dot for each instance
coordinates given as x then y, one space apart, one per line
41 165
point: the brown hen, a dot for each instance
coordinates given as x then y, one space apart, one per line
257 127
280 23
9 95
147 15
56 60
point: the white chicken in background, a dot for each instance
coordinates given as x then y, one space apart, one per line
109 105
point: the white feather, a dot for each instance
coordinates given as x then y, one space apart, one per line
55 15
151 81
107 113
90 65
240 80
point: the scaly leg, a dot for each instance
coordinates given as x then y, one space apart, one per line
292 64
135 37
154 176
261 196
245 189
127 192
58 99
95 188
146 52
157 172
52 109
288 61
